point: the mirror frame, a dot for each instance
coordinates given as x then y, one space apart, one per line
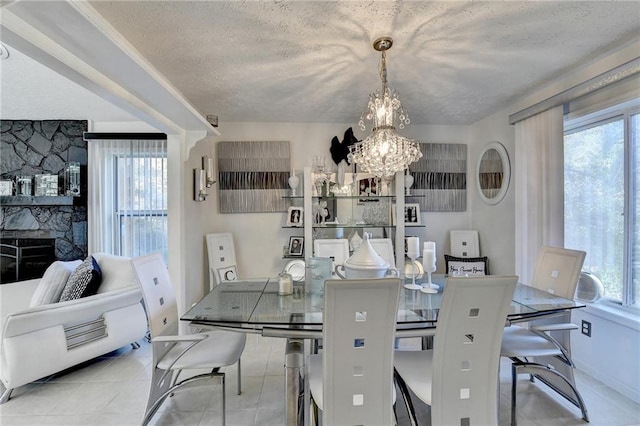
504 156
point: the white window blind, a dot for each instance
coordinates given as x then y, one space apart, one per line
128 196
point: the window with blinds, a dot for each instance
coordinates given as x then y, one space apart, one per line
128 196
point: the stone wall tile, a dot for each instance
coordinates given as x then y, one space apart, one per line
80 233
49 128
21 148
22 130
78 154
60 142
9 138
73 127
33 158
53 164
40 144
43 215
11 161
5 125
20 220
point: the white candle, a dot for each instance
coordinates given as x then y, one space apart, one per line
430 245
210 167
413 245
429 258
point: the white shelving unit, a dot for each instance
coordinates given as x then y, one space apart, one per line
348 206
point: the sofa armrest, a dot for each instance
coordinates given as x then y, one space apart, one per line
70 312
17 296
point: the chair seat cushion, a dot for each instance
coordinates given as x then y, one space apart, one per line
220 349
415 368
519 342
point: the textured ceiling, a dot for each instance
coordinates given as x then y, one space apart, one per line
312 61
452 62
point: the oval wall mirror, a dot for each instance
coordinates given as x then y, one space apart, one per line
494 173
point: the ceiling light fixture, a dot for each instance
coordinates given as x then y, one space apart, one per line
384 152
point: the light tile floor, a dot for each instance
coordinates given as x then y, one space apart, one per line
112 390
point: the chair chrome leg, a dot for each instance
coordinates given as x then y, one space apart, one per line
6 394
406 397
531 369
135 345
514 380
239 377
224 402
151 411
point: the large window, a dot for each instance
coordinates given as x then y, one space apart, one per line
128 195
141 203
601 183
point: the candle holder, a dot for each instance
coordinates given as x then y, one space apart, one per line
429 287
429 265
413 255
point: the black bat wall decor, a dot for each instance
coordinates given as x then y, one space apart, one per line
339 150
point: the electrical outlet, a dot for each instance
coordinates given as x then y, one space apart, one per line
586 328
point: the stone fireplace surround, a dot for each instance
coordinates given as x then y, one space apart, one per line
33 147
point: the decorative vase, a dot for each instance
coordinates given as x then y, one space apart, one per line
294 181
408 182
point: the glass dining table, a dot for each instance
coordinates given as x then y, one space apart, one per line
254 306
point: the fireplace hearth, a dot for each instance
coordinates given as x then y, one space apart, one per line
25 258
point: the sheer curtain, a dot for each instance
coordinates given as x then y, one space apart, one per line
127 196
539 187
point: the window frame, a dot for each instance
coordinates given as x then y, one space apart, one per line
624 111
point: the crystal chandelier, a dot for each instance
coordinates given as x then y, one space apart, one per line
384 152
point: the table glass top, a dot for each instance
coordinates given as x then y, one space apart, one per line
256 304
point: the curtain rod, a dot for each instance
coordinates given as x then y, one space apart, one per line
124 136
618 73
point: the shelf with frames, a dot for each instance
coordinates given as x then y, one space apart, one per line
354 210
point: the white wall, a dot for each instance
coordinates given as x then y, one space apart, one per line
495 223
612 353
259 237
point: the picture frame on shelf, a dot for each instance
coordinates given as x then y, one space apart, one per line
296 246
368 187
411 214
295 216
324 210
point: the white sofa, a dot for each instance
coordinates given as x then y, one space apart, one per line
43 340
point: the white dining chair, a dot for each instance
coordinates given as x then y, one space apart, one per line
222 258
351 380
464 243
173 353
543 348
458 378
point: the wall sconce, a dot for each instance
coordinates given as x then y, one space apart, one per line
199 185
207 166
